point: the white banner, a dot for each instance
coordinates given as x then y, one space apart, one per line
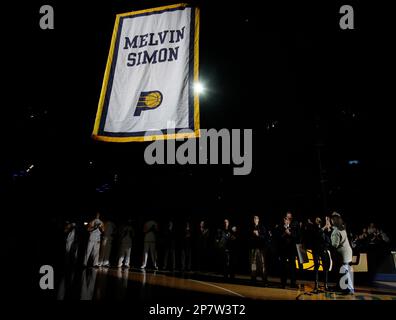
147 90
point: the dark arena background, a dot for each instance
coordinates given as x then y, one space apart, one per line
319 100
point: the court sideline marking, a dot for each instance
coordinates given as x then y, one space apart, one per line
213 285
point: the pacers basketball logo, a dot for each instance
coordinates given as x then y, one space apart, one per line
148 100
310 264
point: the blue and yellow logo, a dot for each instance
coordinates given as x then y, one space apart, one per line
148 100
310 265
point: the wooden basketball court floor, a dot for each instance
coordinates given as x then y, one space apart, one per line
113 283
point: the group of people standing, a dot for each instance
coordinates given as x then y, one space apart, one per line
288 239
101 235
328 241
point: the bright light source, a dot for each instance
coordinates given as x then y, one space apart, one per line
85 223
198 87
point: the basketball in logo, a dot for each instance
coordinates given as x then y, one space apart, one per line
148 100
153 99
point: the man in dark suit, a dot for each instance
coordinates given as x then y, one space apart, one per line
226 242
288 236
258 246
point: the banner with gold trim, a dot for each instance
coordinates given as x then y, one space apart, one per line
147 90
